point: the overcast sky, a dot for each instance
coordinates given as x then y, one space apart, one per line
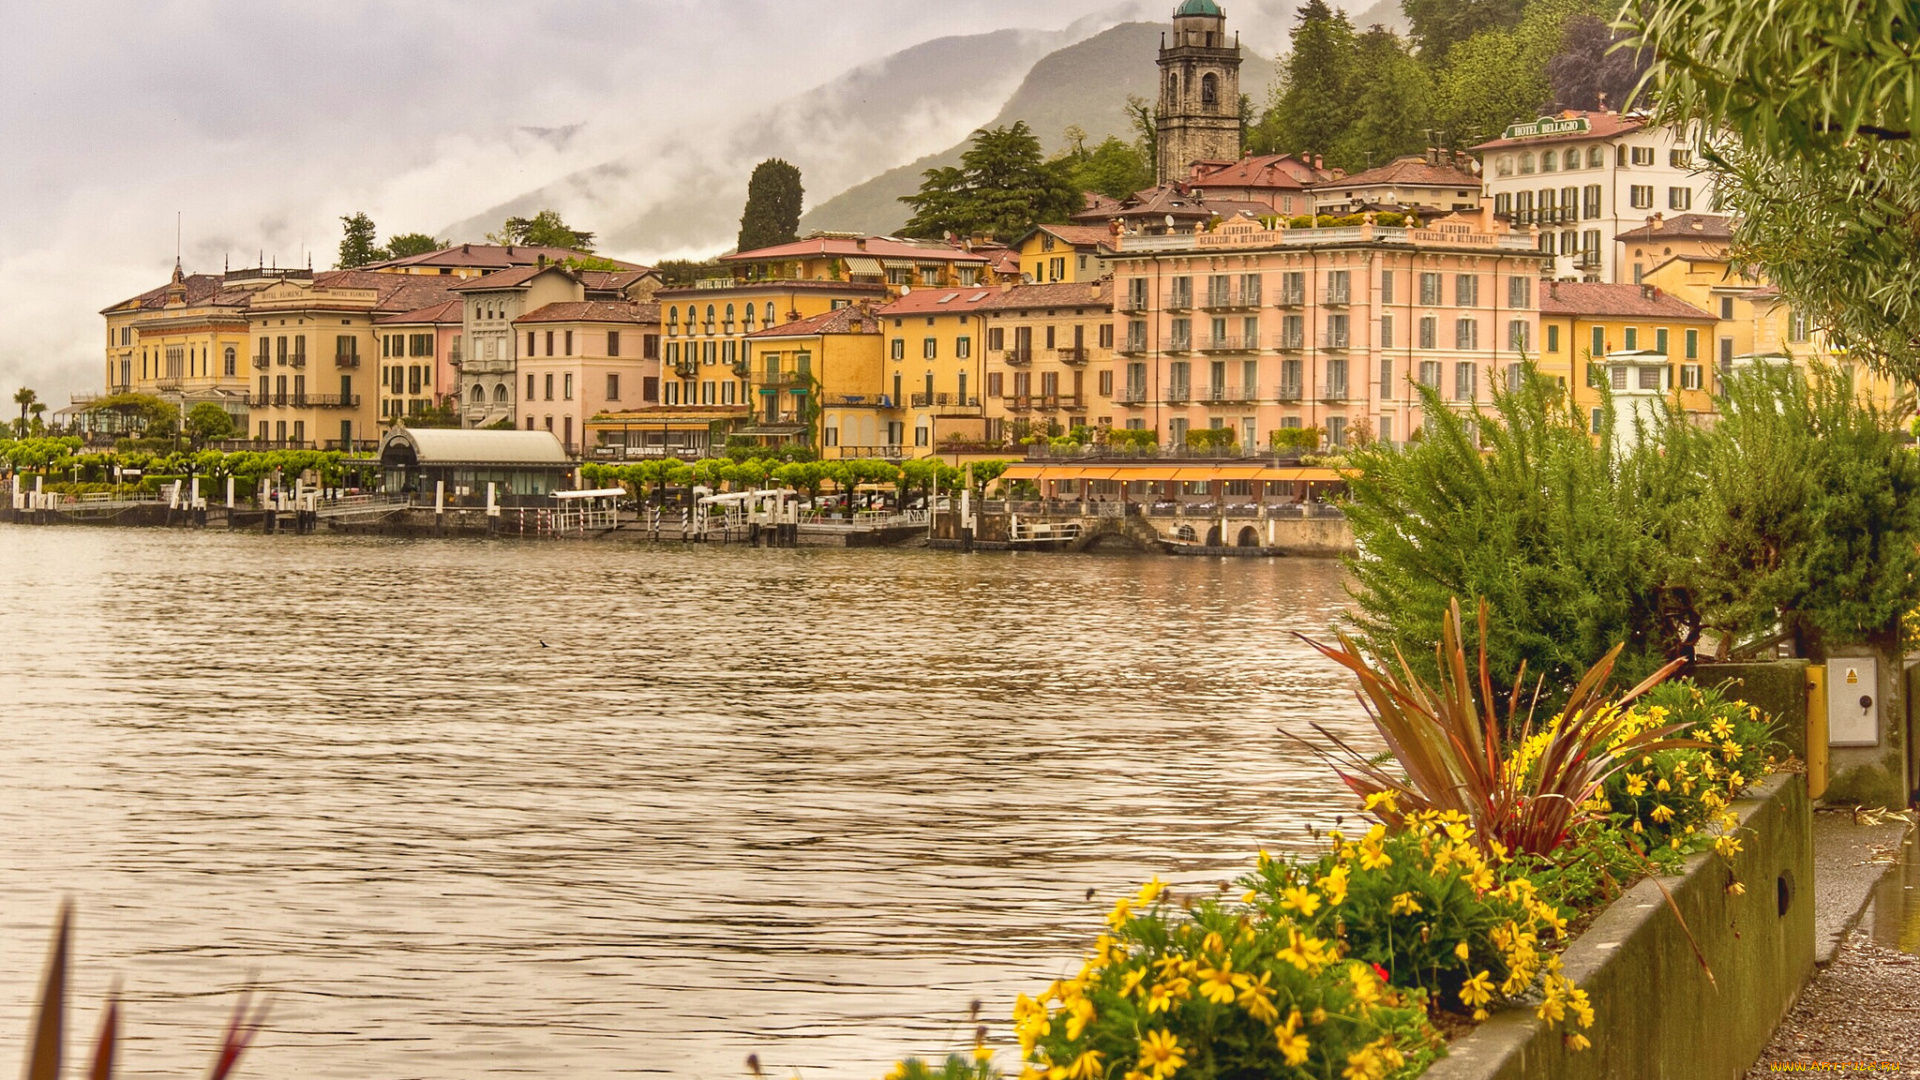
262 122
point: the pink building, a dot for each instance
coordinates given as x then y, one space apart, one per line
1254 329
581 358
419 360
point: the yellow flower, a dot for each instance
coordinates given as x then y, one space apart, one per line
1160 1051
1216 984
1661 813
1405 904
1384 798
1213 943
1721 729
1636 784
1364 1064
1481 880
1576 1042
1663 787
1335 885
1293 1044
1372 858
1131 981
1726 846
1305 901
1305 952
1151 891
1256 996
983 1052
1122 911
1478 990
1737 889
1079 1015
1461 951
1085 1067
1366 988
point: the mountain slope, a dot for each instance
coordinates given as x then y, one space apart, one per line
684 192
1086 83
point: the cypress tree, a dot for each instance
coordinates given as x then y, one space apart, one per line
774 197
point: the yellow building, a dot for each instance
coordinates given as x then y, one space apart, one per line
1049 358
1633 336
1703 236
311 338
935 362
1053 253
819 383
186 341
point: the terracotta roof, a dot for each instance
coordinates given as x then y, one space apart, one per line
447 311
1077 235
1413 169
938 301
1174 199
852 319
609 280
694 292
596 311
1600 125
396 292
201 290
1683 227
1098 203
1280 172
873 247
1615 301
1058 294
492 257
508 279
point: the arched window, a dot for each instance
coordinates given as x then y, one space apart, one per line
231 361
1526 163
693 316
1209 89
769 318
500 394
479 394
749 314
1549 161
673 315
1596 157
1504 166
729 316
709 313
1573 158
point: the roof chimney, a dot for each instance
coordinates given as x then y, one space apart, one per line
466 249
541 261
861 243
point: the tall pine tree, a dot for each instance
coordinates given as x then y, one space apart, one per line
774 198
1003 187
356 246
1391 95
1313 107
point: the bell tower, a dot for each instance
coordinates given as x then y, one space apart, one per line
1199 116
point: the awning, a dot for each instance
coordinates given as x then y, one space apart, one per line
897 264
597 493
861 264
1159 472
774 429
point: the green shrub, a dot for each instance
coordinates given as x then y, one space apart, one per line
1284 439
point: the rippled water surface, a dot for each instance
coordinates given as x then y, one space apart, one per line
805 803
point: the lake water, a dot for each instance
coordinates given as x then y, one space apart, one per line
807 804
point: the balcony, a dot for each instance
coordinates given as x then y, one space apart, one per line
1288 391
168 383
1180 345
686 369
1133 346
1131 396
943 401
1017 357
1075 356
346 360
262 361
1220 395
1336 298
1334 394
1019 402
1291 343
298 360
1231 343
1334 343
1233 300
304 401
1134 302
1291 298
1179 394
1180 302
775 381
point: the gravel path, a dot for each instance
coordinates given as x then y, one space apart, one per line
1863 1008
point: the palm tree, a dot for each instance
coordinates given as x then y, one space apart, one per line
24 398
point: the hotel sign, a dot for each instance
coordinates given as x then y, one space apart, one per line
1547 125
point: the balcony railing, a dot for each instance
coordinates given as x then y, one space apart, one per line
1019 402
1291 298
1017 356
1177 301
346 359
262 360
1231 343
1291 342
304 401
781 380
1178 393
1134 302
1072 355
298 359
1180 345
1233 300
1130 395
1334 343
1334 393
1219 394
943 401
1288 391
1337 298
169 383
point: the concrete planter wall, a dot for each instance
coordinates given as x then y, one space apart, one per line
1656 1013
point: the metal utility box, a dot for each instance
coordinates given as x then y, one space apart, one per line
1853 701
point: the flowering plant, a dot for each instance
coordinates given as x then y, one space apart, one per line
1669 795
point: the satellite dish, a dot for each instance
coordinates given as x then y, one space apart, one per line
1169 221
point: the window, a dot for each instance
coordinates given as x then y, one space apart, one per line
1136 294
1429 333
530 394
1293 332
1430 374
994 383
613 343
1599 347
1219 291
930 348
1106 384
1337 430
1250 290
1504 165
1693 344
1106 335
1386 286
1519 336
1180 294
1595 417
1630 338
1430 290
1466 290
898 348
1549 161
1519 292
1386 331
1339 286
231 361
549 384
1466 334
1336 388
1293 288
1680 159
1553 339
1679 198
1643 155
1182 338
1797 326
566 384
1690 376
1466 382
1650 377
1526 163
1290 389
962 347
1596 157
1209 88
1640 196
1660 341
1336 331
1590 202
1726 307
